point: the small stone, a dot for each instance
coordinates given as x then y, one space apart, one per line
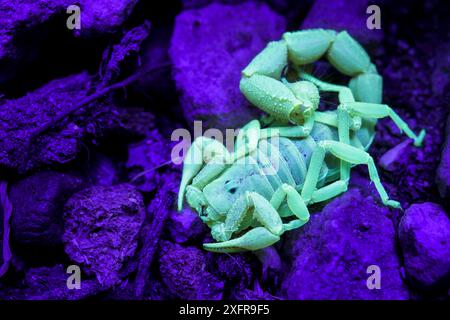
185 272
104 16
101 229
424 233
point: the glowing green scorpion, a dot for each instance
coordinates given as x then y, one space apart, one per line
250 197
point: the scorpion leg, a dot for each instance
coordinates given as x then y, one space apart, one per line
309 193
200 152
247 139
288 131
294 200
373 110
266 214
264 236
330 118
349 154
343 124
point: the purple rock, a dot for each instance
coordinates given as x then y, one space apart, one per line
347 15
335 248
24 15
104 16
133 124
50 283
101 229
185 272
22 144
19 17
210 46
144 158
186 226
38 202
443 171
424 233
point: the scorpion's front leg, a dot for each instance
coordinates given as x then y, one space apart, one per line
346 153
203 151
378 111
265 213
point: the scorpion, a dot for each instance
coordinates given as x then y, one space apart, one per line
297 155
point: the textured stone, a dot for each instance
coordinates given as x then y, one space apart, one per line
23 144
210 46
424 233
38 203
104 16
101 229
20 17
334 249
185 272
50 283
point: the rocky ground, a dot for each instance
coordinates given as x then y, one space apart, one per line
86 118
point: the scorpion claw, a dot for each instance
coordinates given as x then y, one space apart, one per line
254 239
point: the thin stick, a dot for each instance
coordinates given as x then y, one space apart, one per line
160 208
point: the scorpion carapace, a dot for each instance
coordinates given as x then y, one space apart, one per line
300 155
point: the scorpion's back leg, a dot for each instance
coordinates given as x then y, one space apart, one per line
349 154
377 111
266 214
